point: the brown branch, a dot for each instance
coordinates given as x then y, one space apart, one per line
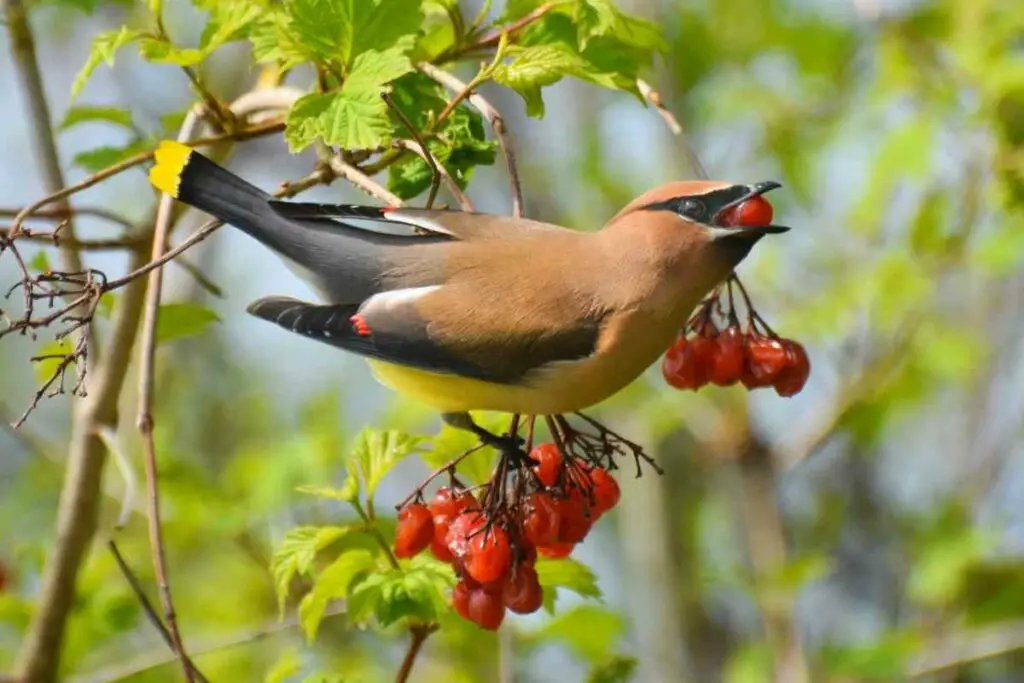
131 241
493 117
342 169
147 606
150 317
141 158
673 125
424 150
494 37
63 213
453 187
418 635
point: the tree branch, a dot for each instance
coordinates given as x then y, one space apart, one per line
418 635
493 117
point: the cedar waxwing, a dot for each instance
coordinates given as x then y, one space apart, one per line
486 312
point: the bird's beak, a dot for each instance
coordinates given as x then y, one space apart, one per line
744 193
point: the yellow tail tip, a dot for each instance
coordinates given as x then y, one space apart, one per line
171 158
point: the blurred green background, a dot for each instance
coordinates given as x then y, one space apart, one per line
871 528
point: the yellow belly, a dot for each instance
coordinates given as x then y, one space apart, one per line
562 388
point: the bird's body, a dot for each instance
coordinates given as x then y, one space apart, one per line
481 312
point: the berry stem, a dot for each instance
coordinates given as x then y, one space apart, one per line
449 467
418 635
371 528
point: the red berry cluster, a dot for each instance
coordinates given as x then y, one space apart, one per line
493 542
704 353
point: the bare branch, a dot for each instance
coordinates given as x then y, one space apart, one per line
493 117
418 635
453 187
346 171
424 150
673 125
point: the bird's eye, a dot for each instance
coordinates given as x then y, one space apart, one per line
691 208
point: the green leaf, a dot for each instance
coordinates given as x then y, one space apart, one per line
183 320
106 305
355 116
589 631
617 669
230 20
376 453
603 18
750 664
569 574
348 492
40 262
91 113
273 40
332 583
883 660
416 593
103 49
343 30
95 160
939 572
45 368
460 146
160 51
296 554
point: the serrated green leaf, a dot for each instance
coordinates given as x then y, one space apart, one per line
45 368
617 669
461 144
104 48
589 631
40 262
348 492
375 453
604 18
181 320
342 30
230 20
160 51
332 583
90 113
296 554
569 574
95 160
274 41
355 116
417 593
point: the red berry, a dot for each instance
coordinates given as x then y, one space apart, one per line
793 377
576 517
766 358
439 543
462 527
486 609
448 502
729 359
540 519
489 555
756 211
556 551
606 490
415 530
681 367
523 593
460 599
549 463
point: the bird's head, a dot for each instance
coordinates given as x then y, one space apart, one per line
700 229
725 218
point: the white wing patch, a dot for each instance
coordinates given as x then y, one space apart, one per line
416 219
398 297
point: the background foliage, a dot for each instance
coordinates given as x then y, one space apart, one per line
869 529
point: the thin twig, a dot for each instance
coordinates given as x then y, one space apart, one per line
494 38
493 117
453 187
673 125
424 150
131 481
131 162
346 171
150 316
147 606
63 213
